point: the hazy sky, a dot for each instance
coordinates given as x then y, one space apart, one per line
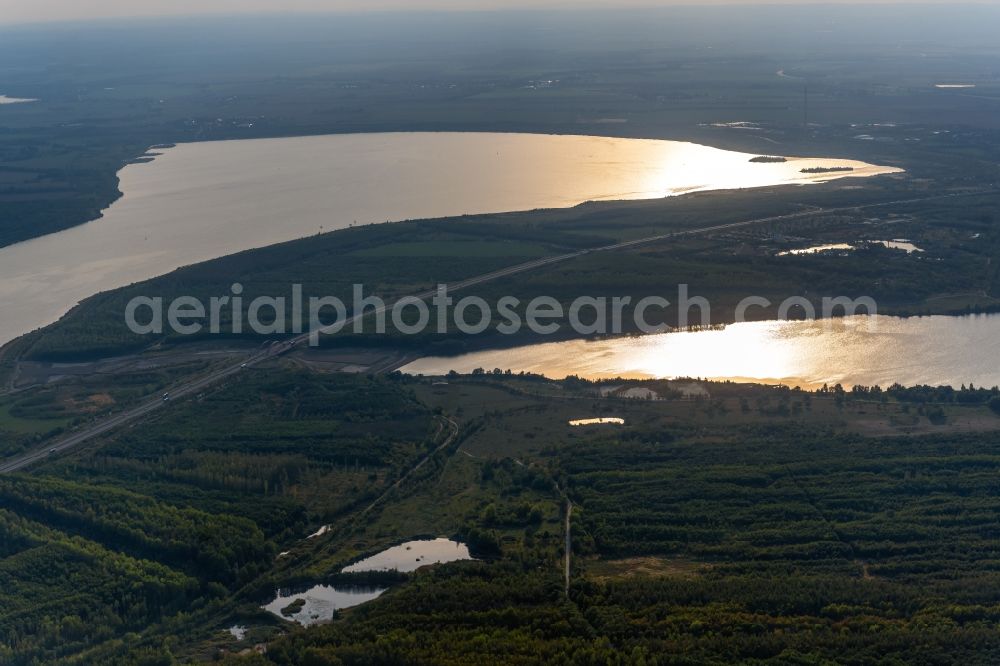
23 11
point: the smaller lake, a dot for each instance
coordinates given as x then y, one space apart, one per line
895 244
412 555
320 602
598 421
900 244
817 249
851 351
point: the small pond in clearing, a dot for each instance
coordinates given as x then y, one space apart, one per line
816 249
895 244
598 421
318 603
412 555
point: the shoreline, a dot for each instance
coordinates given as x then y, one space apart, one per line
269 238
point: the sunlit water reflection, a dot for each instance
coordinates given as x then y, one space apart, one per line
603 420
896 244
412 555
198 201
319 603
855 350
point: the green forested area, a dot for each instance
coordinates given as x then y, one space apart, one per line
772 542
62 594
758 525
154 532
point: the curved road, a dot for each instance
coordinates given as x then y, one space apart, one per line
197 384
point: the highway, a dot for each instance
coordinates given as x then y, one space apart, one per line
196 385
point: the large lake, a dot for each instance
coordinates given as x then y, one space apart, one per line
856 350
198 201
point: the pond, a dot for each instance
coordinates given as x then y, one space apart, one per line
597 421
895 244
412 555
318 603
